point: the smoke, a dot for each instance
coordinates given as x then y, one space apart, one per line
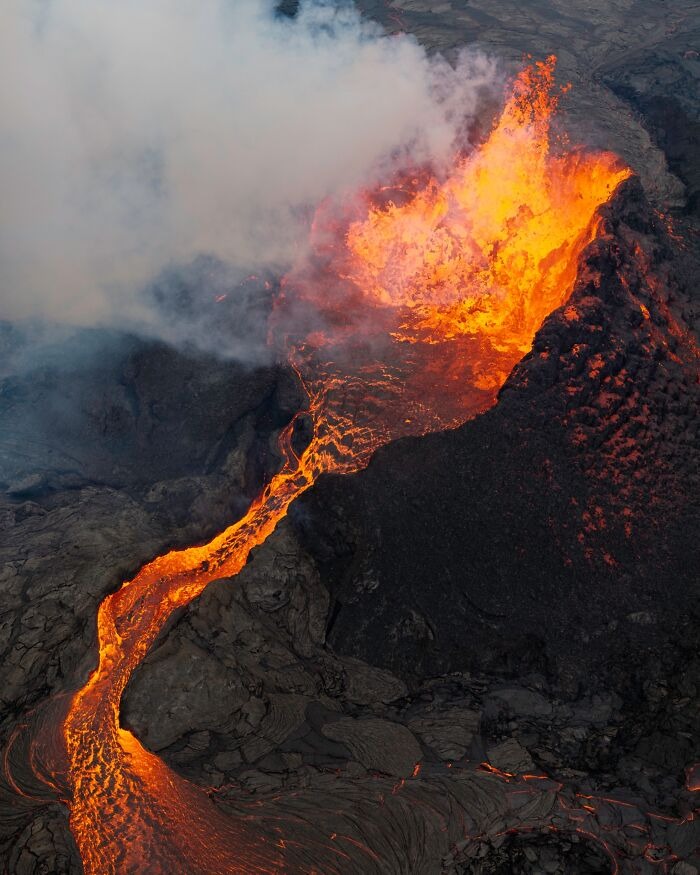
137 138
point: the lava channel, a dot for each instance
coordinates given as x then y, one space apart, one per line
420 305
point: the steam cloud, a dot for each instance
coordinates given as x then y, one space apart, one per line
141 136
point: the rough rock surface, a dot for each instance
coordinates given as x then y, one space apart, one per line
581 485
112 450
535 609
610 51
560 527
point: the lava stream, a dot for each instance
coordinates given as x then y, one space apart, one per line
421 308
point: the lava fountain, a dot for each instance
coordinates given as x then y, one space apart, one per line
419 306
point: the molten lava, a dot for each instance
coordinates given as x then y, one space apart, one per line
492 249
418 311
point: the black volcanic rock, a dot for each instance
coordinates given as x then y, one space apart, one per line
105 408
112 450
589 669
520 592
662 88
538 535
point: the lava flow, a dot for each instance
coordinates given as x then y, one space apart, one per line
418 310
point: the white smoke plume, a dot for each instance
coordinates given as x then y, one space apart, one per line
141 135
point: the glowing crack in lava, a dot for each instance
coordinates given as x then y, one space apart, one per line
421 309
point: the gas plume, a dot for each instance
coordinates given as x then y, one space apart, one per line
137 139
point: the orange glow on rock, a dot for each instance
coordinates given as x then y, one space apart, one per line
454 282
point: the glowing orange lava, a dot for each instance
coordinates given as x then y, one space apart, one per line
420 311
492 249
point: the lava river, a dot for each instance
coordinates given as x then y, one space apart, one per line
416 302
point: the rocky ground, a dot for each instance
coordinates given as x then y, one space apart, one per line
525 587
113 450
512 605
634 65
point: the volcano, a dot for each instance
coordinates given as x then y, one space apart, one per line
456 627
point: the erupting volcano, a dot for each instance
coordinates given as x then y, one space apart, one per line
416 302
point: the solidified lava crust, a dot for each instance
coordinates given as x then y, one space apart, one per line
482 649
